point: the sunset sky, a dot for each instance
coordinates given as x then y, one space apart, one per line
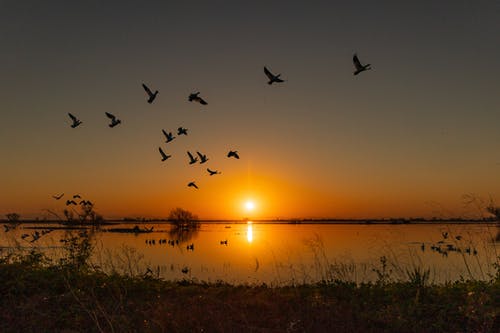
408 138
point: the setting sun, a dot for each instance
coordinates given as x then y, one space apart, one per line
249 205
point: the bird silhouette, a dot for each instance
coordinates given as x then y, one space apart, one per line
57 197
192 159
76 121
203 158
36 236
193 184
70 202
114 120
168 135
212 172
182 131
359 67
193 97
233 153
151 95
8 227
77 196
164 156
272 78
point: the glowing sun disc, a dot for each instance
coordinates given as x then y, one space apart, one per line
249 205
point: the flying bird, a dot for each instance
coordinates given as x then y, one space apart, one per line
168 135
151 95
212 172
76 121
57 197
164 156
359 67
182 131
272 78
233 153
77 196
114 120
192 159
70 202
203 158
193 184
194 97
8 227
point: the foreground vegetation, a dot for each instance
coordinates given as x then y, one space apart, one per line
70 296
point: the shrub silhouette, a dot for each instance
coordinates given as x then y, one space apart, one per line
182 218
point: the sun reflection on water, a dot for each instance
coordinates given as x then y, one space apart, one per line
249 232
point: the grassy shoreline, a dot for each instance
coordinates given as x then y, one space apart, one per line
40 298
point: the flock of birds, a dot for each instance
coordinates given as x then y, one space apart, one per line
72 201
173 243
195 97
450 244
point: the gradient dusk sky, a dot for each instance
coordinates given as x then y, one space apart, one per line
407 138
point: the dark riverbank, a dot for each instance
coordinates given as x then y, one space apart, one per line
36 299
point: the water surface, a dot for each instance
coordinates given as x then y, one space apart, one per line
279 254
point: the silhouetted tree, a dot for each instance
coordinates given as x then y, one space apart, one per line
182 218
13 217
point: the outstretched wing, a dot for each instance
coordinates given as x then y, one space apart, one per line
356 62
202 101
268 73
150 93
162 152
109 115
200 155
190 156
72 117
164 133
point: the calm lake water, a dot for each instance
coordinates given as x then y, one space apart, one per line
278 254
